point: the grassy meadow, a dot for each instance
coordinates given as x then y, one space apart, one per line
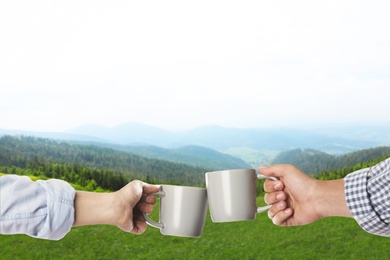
332 238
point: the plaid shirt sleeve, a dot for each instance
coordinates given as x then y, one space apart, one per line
367 194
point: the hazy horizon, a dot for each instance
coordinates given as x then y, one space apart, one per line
334 128
178 65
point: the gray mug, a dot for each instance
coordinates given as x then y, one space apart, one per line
232 194
182 211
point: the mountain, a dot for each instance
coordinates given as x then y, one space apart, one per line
314 162
379 133
33 152
255 146
55 135
126 134
255 157
192 155
162 164
223 138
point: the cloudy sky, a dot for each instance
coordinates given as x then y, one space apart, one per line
182 64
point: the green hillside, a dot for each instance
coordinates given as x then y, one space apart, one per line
192 155
50 158
315 162
331 238
254 157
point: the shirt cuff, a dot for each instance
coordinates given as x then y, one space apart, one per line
359 194
60 209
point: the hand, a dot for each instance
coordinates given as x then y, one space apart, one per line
129 215
298 199
122 208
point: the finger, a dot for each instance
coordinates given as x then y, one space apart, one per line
274 197
276 208
139 216
282 217
147 208
277 170
150 199
150 188
139 227
271 186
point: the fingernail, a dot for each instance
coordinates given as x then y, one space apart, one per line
280 196
278 186
280 206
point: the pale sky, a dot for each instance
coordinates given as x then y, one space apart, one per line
182 64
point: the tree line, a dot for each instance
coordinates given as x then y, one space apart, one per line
333 174
344 171
315 162
41 156
95 168
83 177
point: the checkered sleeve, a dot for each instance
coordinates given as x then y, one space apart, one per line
367 194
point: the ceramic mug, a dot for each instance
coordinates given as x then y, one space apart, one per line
182 211
232 194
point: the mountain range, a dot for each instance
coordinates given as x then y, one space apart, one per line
249 146
192 155
222 138
315 162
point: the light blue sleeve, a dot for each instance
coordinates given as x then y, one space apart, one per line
41 209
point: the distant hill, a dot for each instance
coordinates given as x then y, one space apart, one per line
25 152
254 157
128 134
35 153
223 138
55 135
256 146
192 155
314 162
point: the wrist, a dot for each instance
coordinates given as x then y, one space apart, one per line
330 199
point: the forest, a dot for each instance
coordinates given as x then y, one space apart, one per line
85 164
91 167
342 172
315 162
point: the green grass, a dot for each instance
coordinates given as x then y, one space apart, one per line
76 186
332 238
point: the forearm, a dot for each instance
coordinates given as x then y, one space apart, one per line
331 199
121 208
93 208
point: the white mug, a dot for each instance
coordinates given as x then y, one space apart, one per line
182 211
232 194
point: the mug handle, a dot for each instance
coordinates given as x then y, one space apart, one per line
260 176
150 221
